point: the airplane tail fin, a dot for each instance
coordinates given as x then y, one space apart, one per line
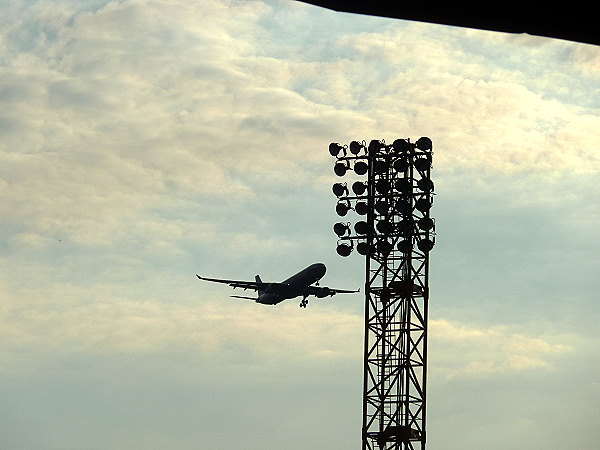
258 280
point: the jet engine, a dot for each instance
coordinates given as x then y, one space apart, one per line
267 299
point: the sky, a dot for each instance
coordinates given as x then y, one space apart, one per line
145 141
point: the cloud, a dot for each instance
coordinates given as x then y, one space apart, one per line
123 111
145 141
496 351
102 319
487 114
486 379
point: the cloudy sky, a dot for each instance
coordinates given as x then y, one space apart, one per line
144 141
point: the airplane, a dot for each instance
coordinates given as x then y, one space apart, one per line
295 286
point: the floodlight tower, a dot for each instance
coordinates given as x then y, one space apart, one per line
395 234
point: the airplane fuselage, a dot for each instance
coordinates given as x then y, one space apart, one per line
296 285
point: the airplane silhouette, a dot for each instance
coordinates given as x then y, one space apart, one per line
295 286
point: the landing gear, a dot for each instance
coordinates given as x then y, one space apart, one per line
303 303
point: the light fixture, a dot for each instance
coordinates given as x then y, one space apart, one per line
382 186
340 189
425 223
363 248
403 185
356 147
401 146
361 208
380 166
422 164
425 184
401 164
342 208
344 249
361 167
424 143
405 246
340 168
335 148
402 206
403 227
375 146
359 188
341 229
384 247
423 205
425 245
394 198
361 227
384 227
382 207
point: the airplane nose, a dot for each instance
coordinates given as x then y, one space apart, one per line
321 269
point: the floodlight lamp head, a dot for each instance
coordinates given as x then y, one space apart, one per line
423 205
382 207
402 206
425 223
425 245
342 209
422 164
382 186
344 249
359 188
405 246
401 146
361 227
425 184
384 227
424 143
340 168
341 228
384 247
403 185
361 208
403 227
340 189
363 248
380 166
375 146
356 147
361 167
335 149
401 164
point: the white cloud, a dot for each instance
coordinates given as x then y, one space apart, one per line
138 102
143 141
227 333
497 351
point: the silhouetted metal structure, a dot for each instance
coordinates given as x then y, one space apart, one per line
395 234
574 22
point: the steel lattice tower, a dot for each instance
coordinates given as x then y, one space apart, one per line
395 239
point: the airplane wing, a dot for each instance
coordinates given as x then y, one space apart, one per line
247 298
257 286
236 284
323 291
343 291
